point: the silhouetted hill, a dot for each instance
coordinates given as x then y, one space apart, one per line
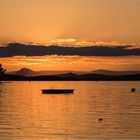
25 72
29 72
109 72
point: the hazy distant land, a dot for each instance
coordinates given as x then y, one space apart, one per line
25 74
29 72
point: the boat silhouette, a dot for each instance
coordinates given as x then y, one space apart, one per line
57 91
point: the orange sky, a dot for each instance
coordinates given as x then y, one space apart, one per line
76 63
53 21
40 21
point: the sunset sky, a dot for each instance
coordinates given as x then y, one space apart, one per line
75 23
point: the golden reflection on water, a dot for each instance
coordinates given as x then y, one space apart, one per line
27 113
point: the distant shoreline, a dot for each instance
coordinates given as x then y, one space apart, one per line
71 77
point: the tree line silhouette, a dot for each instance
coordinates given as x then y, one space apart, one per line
2 70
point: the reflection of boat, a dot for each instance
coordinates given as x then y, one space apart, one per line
57 91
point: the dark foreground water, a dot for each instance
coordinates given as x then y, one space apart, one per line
26 113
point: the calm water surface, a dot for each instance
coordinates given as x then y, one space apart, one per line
26 113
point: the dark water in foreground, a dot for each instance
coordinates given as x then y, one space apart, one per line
25 113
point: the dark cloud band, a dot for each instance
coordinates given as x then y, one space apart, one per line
17 49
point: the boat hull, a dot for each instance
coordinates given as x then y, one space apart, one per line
57 91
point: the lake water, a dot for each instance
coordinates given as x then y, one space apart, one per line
26 113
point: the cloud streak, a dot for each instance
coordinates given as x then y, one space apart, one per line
18 49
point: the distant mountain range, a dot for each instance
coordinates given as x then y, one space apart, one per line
29 72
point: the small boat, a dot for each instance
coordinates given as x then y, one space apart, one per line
57 91
133 89
100 119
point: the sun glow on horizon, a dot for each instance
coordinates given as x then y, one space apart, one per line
74 63
77 43
80 43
